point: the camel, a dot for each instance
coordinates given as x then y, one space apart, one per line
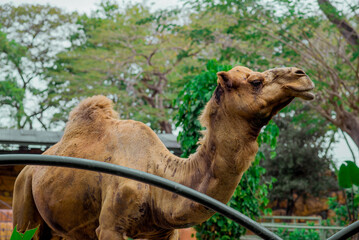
78 204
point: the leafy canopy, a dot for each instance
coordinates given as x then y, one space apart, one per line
126 54
30 37
292 33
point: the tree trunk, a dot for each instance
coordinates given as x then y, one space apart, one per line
290 204
290 207
166 127
351 127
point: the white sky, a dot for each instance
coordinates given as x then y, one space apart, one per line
86 6
340 151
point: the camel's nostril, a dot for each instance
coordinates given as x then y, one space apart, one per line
299 72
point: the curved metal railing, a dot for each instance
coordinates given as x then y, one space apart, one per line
79 163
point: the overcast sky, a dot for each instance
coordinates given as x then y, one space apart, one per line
341 151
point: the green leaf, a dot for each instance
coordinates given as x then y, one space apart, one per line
29 234
16 235
348 175
353 172
23 236
344 177
356 199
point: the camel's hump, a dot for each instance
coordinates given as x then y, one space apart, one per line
93 107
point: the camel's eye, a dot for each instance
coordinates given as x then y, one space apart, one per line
256 83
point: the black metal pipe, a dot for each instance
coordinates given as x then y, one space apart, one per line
346 232
60 161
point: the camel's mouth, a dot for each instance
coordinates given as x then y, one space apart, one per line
304 93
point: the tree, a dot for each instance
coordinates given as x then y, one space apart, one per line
130 55
302 164
10 93
292 33
30 36
250 196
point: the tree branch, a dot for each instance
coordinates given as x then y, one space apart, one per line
343 26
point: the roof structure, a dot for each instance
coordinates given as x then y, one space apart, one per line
29 137
48 138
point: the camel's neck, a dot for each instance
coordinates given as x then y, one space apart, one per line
227 150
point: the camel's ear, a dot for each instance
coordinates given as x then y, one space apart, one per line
224 80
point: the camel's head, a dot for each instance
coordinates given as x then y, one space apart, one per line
257 96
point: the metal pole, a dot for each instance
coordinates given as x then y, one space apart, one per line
60 161
346 232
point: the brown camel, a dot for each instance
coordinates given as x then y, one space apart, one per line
77 204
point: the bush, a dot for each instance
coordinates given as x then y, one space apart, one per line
298 234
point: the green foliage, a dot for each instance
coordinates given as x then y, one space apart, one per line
23 236
346 212
13 95
298 234
130 55
341 217
348 175
30 36
14 51
292 33
191 101
302 147
250 197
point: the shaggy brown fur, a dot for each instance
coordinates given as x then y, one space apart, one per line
78 204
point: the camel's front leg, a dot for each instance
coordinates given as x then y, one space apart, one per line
107 229
120 212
